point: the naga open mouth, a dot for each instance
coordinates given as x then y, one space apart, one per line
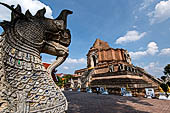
57 43
62 36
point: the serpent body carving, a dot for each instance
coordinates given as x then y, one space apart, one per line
25 85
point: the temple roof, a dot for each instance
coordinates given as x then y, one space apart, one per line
46 65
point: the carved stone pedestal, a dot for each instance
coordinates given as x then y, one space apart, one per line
124 92
149 93
78 90
128 93
162 96
70 89
89 90
105 93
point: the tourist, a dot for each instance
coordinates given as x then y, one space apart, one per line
97 90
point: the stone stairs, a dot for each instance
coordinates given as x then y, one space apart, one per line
86 77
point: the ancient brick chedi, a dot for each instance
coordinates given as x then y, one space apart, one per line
101 52
112 68
25 85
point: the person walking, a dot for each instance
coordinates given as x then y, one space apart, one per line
97 90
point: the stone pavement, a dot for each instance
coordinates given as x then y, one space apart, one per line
81 102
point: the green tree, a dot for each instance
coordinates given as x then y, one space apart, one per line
167 70
63 80
166 79
164 88
168 83
59 82
68 76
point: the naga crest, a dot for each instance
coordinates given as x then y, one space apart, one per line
25 85
38 33
41 33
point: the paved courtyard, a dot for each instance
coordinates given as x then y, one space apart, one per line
80 102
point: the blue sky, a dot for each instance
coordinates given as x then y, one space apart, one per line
140 26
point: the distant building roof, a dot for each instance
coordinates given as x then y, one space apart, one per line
62 75
46 65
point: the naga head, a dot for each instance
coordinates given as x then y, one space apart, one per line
44 34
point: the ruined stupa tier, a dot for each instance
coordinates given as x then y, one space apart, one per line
101 53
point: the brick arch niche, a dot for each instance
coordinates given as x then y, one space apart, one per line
93 60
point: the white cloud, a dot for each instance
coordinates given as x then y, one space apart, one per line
165 51
151 65
130 36
136 17
141 48
134 27
154 68
160 13
145 4
52 60
136 55
65 67
152 49
32 5
71 61
70 65
81 60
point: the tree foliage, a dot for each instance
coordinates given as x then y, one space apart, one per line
163 78
167 70
168 83
164 87
63 80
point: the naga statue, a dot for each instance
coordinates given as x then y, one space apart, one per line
25 85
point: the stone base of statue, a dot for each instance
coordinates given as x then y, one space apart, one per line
127 93
88 90
105 93
148 96
168 96
78 90
149 93
70 89
162 96
124 92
